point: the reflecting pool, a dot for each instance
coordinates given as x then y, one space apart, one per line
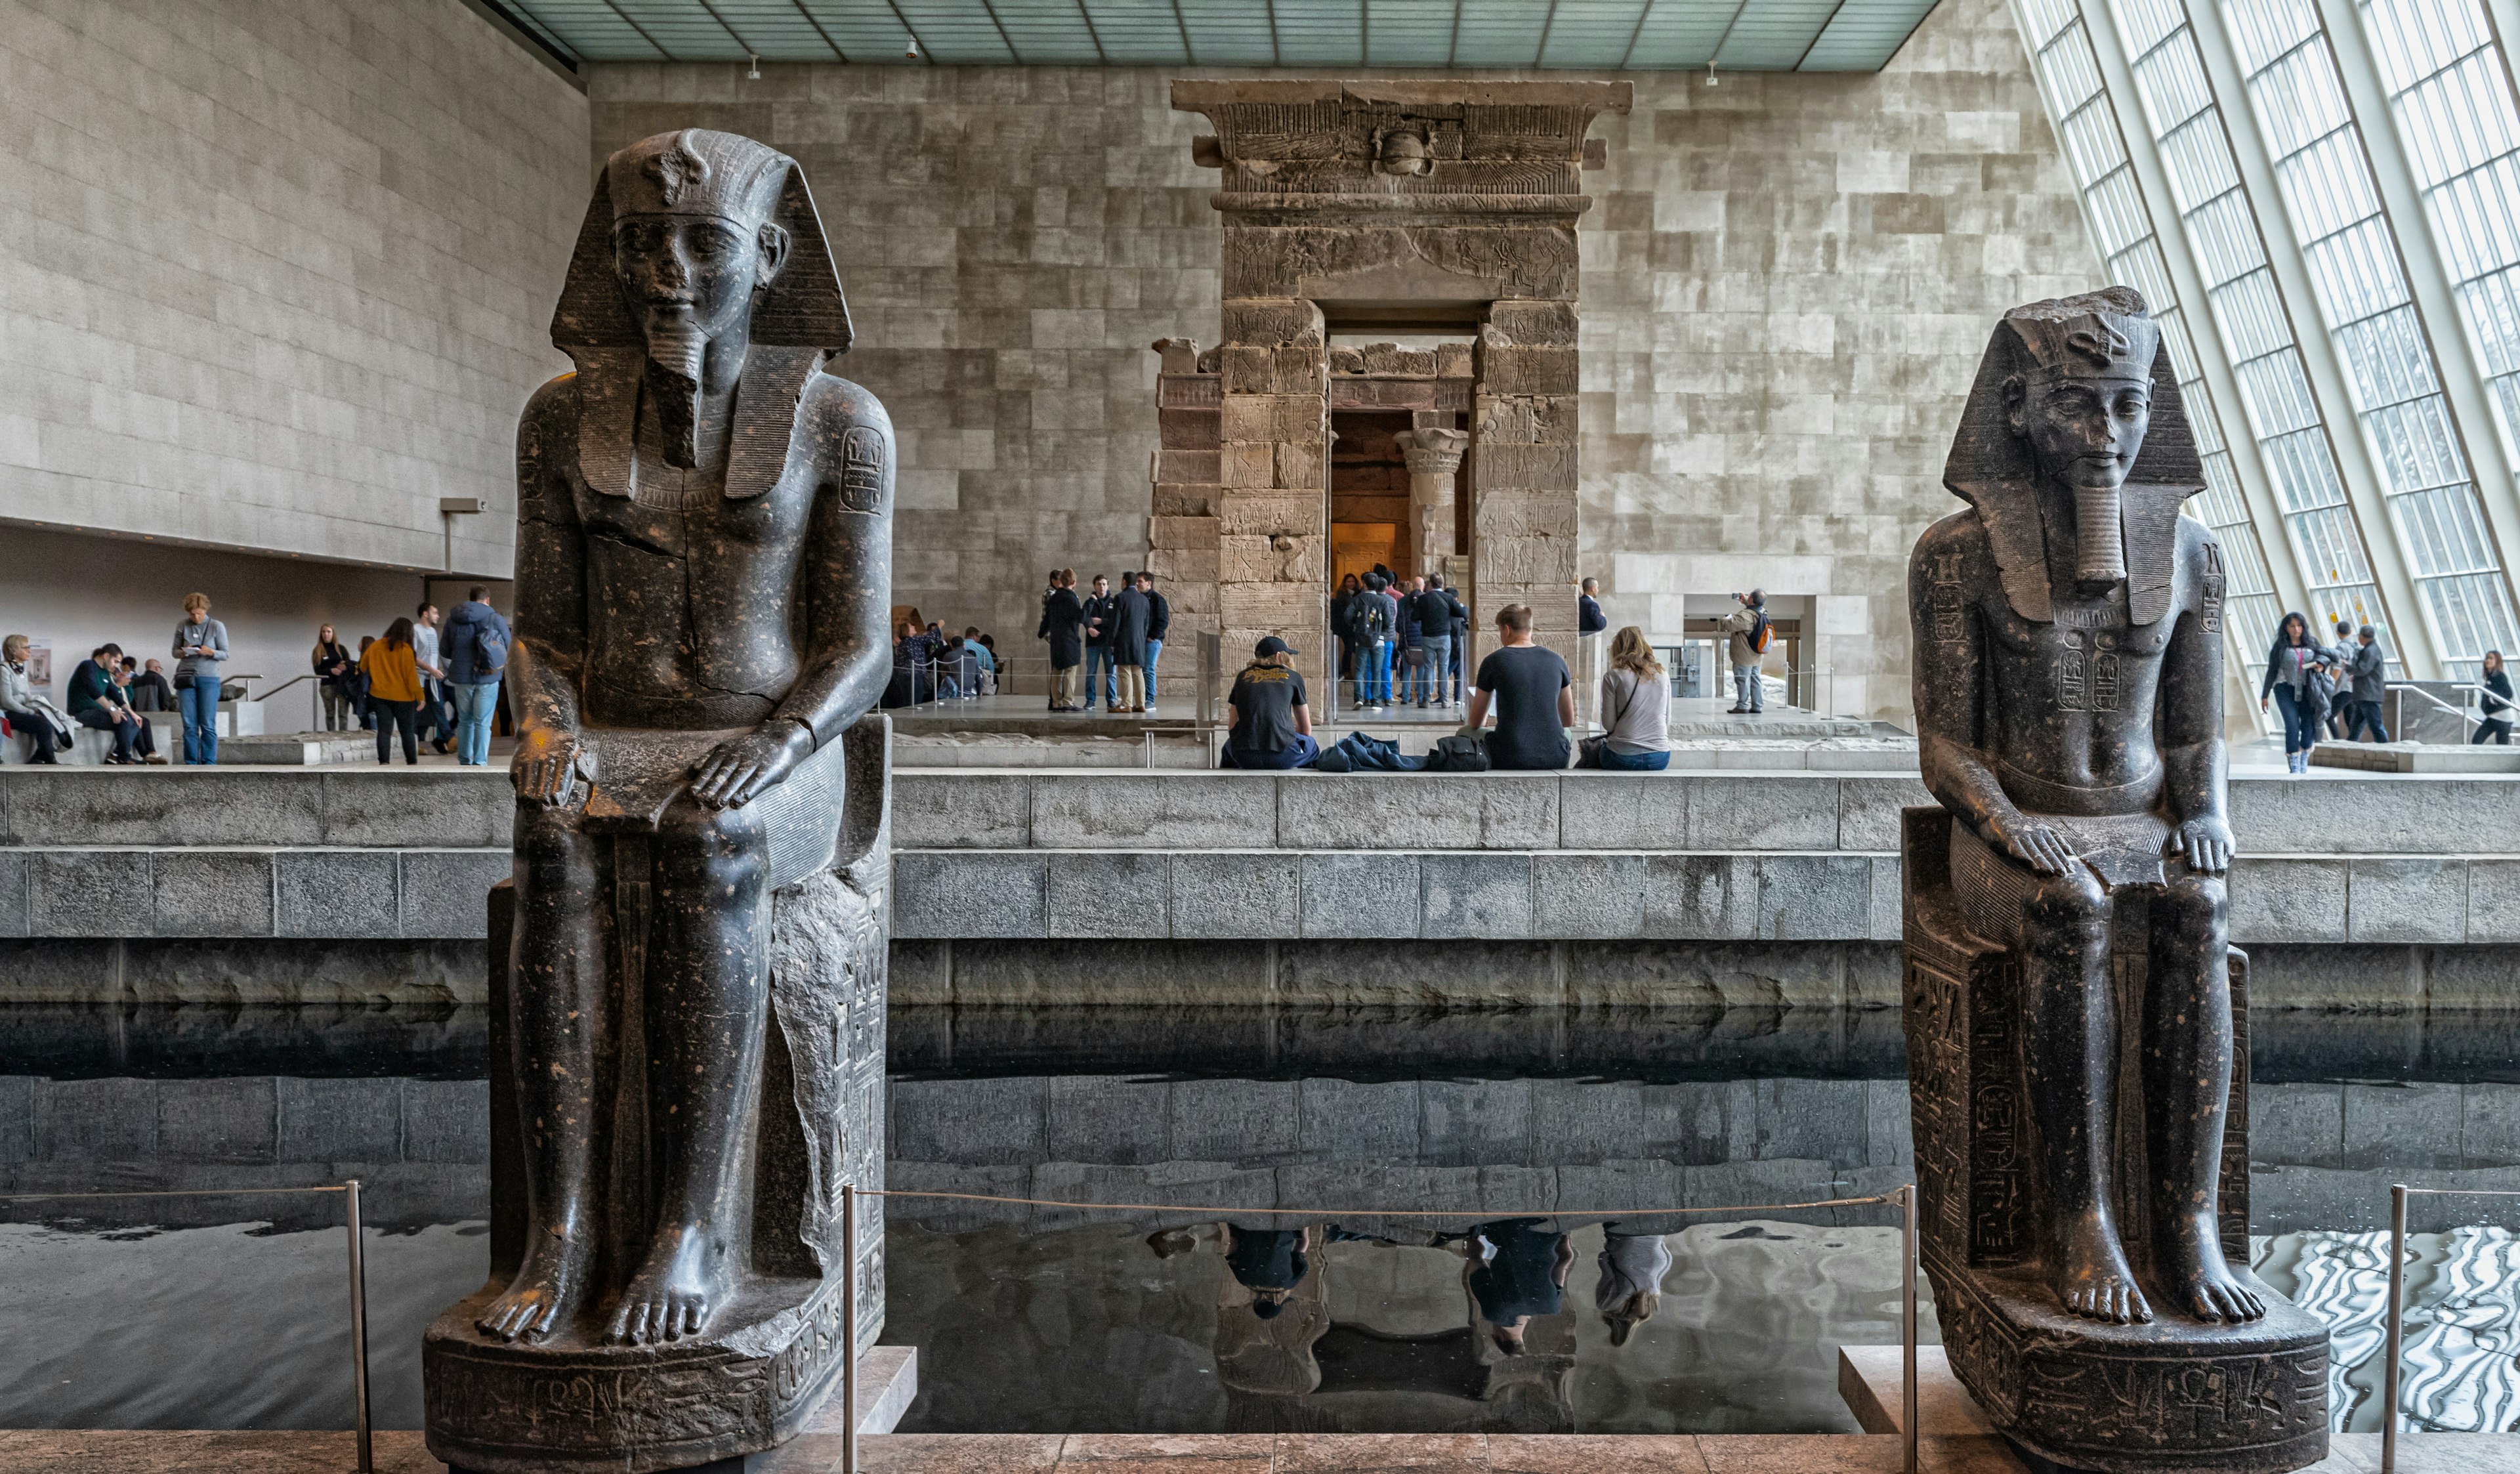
1560 1289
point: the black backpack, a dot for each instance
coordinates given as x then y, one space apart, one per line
1372 616
1457 754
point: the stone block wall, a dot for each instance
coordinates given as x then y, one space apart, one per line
277 275
1786 281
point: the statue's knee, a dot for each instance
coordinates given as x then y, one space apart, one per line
719 847
2194 903
2072 903
546 837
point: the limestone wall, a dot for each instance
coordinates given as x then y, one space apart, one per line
275 274
1788 281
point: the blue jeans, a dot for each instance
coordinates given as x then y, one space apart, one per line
1098 659
1634 762
2299 736
474 705
200 704
1374 674
1304 751
1155 648
2368 714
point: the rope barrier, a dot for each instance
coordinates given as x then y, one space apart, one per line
1481 1213
27 1197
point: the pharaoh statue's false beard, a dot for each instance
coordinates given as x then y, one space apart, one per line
677 350
2099 540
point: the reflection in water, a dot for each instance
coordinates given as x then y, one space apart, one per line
1246 1327
2463 1323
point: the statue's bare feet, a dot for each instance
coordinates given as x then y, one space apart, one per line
2193 1269
675 1293
542 1295
2093 1280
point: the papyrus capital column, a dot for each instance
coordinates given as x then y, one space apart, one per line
1433 457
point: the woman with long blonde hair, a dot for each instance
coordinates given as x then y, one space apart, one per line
1635 707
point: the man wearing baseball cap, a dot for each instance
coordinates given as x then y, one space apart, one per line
1272 728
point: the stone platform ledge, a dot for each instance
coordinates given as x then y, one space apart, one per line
401 1453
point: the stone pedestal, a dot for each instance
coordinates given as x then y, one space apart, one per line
571 1405
2170 1394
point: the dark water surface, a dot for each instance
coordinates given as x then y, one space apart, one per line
1542 1129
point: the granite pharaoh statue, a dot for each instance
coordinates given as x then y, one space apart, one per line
702 579
2070 1005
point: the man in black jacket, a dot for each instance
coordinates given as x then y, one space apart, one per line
1461 634
1159 618
1100 678
1435 612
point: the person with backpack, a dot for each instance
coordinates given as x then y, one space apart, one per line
473 647
1750 631
1372 616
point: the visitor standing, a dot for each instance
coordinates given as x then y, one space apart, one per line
1408 643
1373 616
1342 613
1062 626
47 731
1748 627
1159 623
1520 1272
1271 726
474 650
2340 669
394 692
1102 682
1632 1268
336 680
434 724
2370 684
200 649
1460 638
1131 613
1589 618
1532 694
1635 707
1435 633
2496 708
2292 666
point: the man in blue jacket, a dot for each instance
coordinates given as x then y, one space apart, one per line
474 650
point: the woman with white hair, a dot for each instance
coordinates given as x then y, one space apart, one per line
47 731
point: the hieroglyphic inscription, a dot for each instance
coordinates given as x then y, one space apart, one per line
2212 617
1948 601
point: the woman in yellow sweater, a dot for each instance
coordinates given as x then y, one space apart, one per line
394 692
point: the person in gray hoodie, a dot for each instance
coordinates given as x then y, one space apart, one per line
2370 684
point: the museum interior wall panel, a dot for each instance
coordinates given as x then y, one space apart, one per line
277 276
1785 285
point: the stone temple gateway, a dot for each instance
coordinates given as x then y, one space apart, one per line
1441 209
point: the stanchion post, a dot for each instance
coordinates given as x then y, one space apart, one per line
850 1325
359 1328
2397 1327
1907 1323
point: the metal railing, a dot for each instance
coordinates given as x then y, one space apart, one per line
358 1280
1904 1197
2399 1192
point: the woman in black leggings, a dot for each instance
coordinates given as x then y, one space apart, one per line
2497 725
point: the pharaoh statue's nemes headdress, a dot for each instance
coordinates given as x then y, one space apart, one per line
700 173
2102 334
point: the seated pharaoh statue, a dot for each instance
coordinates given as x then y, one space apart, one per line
2073 1030
687 1025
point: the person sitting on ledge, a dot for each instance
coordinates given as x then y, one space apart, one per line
97 702
1272 726
1533 695
29 714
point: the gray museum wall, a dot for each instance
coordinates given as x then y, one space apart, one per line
276 274
1788 281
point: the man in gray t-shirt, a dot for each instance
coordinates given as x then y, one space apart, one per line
434 722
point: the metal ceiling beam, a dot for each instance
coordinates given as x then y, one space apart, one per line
818 29
1638 35
623 16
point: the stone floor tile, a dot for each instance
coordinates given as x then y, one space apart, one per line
1853 1453
1594 1453
1366 1453
86 1451
957 1453
1178 1452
